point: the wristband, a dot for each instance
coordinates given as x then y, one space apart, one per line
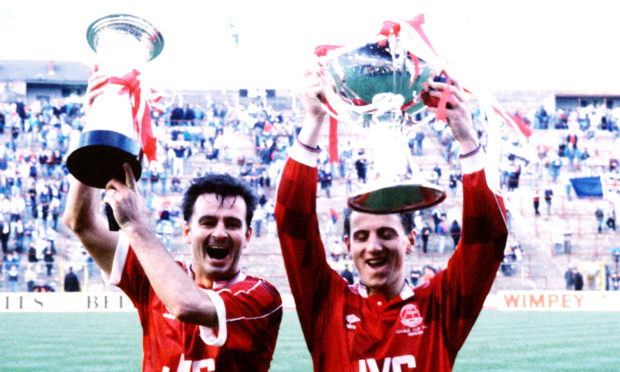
309 148
471 153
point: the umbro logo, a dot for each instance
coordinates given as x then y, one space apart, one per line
351 318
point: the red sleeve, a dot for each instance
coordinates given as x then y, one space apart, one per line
471 270
253 315
310 277
134 281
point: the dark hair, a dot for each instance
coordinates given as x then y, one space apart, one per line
223 186
406 219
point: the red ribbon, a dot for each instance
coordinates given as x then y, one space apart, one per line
444 99
142 126
417 23
416 65
321 50
390 28
333 136
515 122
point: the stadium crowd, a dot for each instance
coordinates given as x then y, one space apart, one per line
197 138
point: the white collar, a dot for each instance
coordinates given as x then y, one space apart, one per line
405 293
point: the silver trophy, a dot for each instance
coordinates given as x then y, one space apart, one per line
381 81
123 44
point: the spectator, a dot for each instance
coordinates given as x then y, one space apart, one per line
611 217
455 232
18 227
428 272
5 231
361 165
43 288
442 232
569 277
32 253
548 197
347 274
507 266
437 171
452 183
259 216
425 234
578 279
337 250
30 276
48 257
13 278
72 283
554 167
325 179
332 222
414 276
600 216
419 138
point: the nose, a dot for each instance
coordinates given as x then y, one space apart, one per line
374 243
219 231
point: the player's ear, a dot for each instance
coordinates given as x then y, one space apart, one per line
187 233
347 243
411 238
248 234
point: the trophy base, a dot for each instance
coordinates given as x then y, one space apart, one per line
99 157
397 198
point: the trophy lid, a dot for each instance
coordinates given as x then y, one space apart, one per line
137 27
396 197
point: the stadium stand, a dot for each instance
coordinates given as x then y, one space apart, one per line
248 136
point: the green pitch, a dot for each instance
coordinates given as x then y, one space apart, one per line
500 341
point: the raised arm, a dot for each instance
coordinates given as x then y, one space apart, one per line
471 269
310 277
179 293
310 97
84 217
83 211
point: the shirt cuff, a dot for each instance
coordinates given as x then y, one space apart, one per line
207 334
473 163
120 256
303 155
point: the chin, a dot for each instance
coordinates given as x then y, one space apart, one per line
375 284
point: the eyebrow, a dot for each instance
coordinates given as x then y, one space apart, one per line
226 218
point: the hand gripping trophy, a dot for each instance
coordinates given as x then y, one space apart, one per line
117 128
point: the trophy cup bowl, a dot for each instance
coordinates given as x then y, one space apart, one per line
373 79
122 43
398 197
382 79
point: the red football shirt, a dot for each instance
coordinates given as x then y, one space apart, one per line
249 313
423 328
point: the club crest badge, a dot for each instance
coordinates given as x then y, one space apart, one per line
410 316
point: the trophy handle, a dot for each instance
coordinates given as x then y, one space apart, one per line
112 224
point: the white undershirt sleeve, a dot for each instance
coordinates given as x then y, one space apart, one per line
208 334
120 256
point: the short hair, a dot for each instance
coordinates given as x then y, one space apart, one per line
223 186
406 219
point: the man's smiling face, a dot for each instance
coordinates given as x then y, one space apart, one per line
379 245
217 233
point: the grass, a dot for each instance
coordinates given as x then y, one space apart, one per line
500 341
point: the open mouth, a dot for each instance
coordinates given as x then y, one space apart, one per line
217 252
376 262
